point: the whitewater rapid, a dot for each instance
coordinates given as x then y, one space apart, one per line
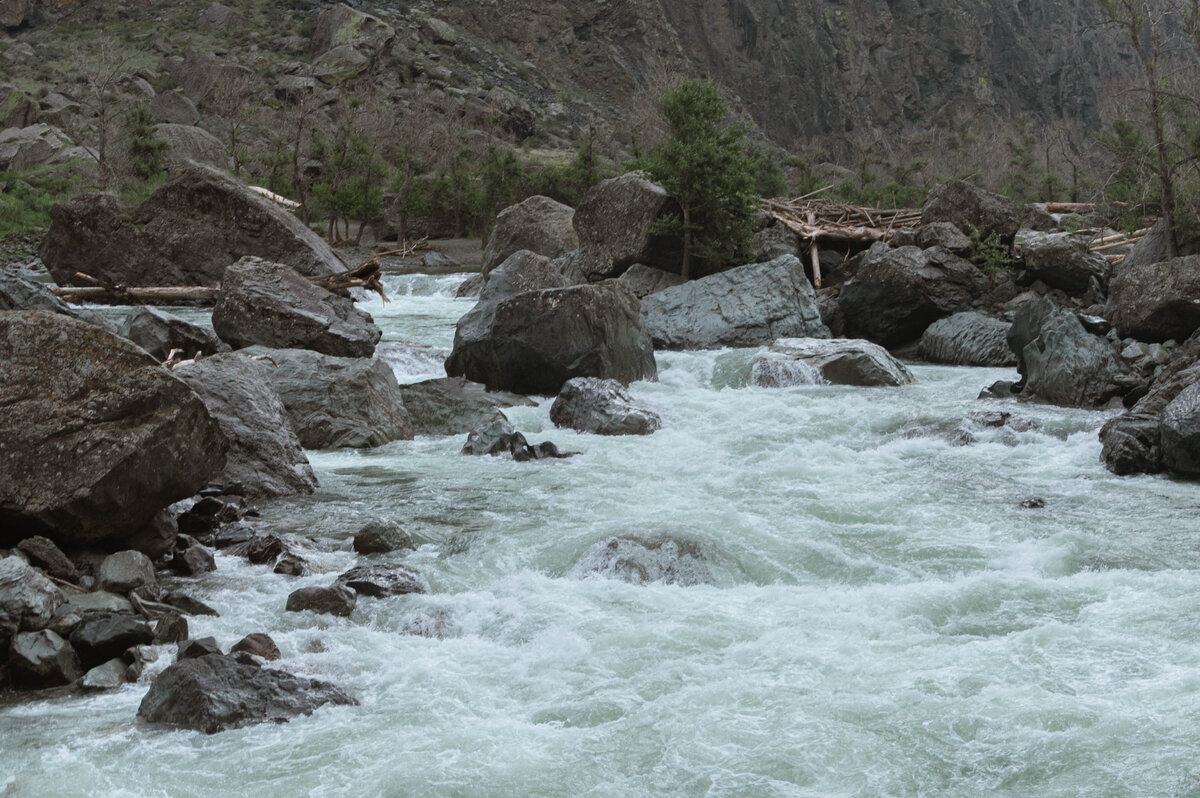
880 615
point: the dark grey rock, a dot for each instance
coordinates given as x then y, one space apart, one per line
614 223
747 306
500 437
602 407
265 457
1180 431
127 571
106 676
98 438
335 600
185 233
897 293
455 405
98 602
259 645
191 557
43 553
968 207
1063 261
198 647
188 145
945 235
269 304
434 262
1132 442
967 339
538 224
1067 365
17 293
291 564
214 693
382 535
1156 301
99 638
42 659
838 361
336 402
380 581
535 341
159 333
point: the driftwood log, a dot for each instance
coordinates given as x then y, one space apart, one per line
840 223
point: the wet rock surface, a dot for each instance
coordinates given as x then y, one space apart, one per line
838 361
602 407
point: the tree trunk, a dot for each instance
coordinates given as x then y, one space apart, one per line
685 270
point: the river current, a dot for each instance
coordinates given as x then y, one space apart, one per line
873 613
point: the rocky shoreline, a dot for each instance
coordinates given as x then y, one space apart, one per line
131 451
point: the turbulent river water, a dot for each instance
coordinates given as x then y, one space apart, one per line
867 610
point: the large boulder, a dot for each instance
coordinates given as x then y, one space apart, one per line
214 693
22 149
455 405
95 438
1063 261
126 571
99 638
185 233
897 293
17 293
339 25
265 456
537 224
646 280
1156 301
747 306
535 341
271 305
43 659
968 339
1180 433
614 222
187 144
174 108
969 208
27 598
837 361
602 407
336 402
1132 442
159 333
1067 365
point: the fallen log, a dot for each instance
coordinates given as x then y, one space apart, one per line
1070 207
133 295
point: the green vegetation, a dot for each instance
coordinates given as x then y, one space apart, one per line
704 165
25 199
989 252
145 149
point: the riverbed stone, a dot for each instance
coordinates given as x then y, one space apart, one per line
1067 365
644 561
602 407
127 571
198 647
159 333
43 553
1156 301
43 659
99 638
337 600
1180 432
336 402
270 304
106 676
1062 260
265 456
27 598
838 361
380 536
214 693
259 645
746 306
500 436
96 438
646 280
538 224
191 557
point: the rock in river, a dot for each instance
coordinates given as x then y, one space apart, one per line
602 407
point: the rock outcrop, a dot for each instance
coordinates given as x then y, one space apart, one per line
747 306
97 437
1063 261
265 457
271 305
336 402
614 223
185 233
972 209
1063 363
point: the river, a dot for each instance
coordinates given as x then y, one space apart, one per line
866 610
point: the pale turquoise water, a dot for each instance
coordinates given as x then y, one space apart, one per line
884 618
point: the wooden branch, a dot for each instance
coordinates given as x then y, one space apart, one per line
813 254
134 295
1070 207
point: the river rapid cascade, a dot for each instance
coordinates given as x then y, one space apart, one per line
808 591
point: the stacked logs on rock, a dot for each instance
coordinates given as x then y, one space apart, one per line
102 292
838 223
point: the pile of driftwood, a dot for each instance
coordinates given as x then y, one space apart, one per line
838 223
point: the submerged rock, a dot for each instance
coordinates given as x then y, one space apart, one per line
671 562
269 304
337 600
500 436
380 581
838 361
455 405
602 407
380 536
748 306
214 693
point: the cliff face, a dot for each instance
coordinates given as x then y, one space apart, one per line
846 75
